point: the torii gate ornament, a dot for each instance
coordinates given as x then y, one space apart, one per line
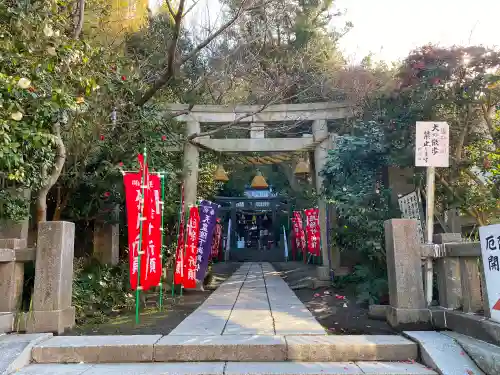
258 117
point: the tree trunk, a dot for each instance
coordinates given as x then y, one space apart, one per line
41 203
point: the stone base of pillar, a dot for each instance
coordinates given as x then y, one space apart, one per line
11 285
106 246
409 319
323 273
56 321
6 322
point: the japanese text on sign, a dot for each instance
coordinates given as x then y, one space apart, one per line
432 144
490 252
411 208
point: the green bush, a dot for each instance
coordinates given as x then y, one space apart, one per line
354 185
100 290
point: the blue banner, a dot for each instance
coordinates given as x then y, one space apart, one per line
208 212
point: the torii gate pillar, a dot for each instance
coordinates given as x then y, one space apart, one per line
190 165
320 131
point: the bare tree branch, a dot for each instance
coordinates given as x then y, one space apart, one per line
170 9
79 16
190 8
169 73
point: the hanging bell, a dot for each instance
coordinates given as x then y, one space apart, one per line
301 168
259 182
220 174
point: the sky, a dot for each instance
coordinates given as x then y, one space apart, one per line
390 29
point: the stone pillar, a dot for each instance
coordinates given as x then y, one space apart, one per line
190 165
453 220
320 132
52 310
406 290
11 275
106 243
448 274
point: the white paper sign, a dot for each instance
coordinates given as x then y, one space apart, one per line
490 252
432 143
411 208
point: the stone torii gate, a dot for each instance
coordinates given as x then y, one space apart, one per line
258 117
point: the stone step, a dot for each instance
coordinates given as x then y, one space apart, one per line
231 368
248 348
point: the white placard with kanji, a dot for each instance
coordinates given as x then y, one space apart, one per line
411 208
490 252
432 144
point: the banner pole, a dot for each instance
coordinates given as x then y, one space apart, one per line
162 254
183 251
179 218
139 247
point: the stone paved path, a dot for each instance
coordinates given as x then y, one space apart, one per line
253 301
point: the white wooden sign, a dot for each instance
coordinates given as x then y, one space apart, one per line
411 208
432 144
490 252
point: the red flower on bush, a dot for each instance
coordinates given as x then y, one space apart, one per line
101 138
163 137
107 194
124 78
120 164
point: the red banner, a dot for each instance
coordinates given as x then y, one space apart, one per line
300 242
152 275
214 253
147 210
193 232
179 253
313 231
133 195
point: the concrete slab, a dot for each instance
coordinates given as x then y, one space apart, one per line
292 368
96 349
350 348
253 328
260 305
15 350
276 301
485 355
199 368
220 348
290 325
394 368
249 319
55 369
202 328
294 311
443 354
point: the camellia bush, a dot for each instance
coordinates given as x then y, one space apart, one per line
354 186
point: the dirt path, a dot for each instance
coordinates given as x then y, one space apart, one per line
336 310
154 322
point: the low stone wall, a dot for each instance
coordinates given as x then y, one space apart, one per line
463 305
50 307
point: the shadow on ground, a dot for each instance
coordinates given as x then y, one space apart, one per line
156 322
335 309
